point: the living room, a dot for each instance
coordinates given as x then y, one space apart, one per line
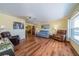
39 29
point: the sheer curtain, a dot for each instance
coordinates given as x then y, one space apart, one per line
74 28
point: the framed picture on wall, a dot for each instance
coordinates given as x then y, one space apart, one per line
45 26
18 25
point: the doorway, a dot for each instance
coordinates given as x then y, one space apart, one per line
30 30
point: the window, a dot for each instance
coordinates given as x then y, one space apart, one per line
75 29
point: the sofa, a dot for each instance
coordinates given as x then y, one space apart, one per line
43 33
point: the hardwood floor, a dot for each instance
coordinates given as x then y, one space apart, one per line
35 46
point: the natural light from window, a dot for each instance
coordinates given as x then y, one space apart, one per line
75 28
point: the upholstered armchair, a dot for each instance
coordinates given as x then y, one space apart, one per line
14 39
60 35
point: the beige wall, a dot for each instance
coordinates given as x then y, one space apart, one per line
7 22
58 24
30 26
55 24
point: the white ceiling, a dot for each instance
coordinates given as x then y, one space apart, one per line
38 11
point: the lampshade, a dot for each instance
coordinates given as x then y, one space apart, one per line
2 27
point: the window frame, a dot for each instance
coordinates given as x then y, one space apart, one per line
71 23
